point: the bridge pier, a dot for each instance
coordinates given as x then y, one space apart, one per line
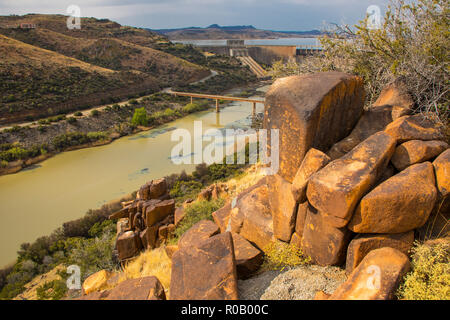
254 110
217 105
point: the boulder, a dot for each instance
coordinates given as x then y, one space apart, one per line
413 128
416 151
153 190
376 278
179 215
371 122
301 217
159 211
362 244
97 281
248 258
199 232
128 245
401 203
396 96
283 207
312 111
336 189
146 288
222 217
205 194
314 161
148 237
252 218
122 213
163 233
325 244
442 170
207 272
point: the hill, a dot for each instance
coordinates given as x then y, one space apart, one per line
51 69
215 31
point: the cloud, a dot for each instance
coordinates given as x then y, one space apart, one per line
280 14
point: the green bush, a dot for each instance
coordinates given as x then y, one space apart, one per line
78 114
279 255
95 113
140 117
71 120
53 290
429 278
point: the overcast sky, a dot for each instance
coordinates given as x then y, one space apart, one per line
157 14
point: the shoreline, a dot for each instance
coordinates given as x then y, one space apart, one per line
19 165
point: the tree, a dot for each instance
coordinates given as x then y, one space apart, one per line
140 117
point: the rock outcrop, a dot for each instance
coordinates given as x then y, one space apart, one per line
205 272
312 111
417 151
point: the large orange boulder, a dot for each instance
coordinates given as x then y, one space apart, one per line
336 189
153 189
442 170
248 258
97 281
396 96
283 207
376 277
301 217
252 217
416 151
206 272
325 244
199 232
413 128
314 161
401 203
159 211
147 288
128 245
315 110
362 244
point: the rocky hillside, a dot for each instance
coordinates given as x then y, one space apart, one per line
51 69
354 200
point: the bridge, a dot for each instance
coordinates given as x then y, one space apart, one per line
217 98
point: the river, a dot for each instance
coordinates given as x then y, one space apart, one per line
257 42
37 200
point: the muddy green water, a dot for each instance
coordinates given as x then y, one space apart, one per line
36 201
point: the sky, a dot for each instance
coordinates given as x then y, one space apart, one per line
283 15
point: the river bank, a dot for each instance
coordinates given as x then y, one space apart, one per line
43 140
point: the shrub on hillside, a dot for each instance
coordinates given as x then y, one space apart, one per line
429 278
412 44
140 117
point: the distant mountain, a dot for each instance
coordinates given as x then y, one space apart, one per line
216 31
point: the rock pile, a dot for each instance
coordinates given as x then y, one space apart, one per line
354 202
146 222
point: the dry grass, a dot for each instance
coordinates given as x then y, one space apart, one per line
244 181
149 263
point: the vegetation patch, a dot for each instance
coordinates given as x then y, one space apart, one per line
280 255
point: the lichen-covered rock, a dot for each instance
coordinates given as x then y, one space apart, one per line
296 240
336 189
179 215
252 218
222 217
199 232
159 211
376 278
207 272
97 281
401 203
413 128
314 110
396 96
122 226
148 237
314 161
128 245
416 151
283 207
362 244
442 169
325 244
146 288
153 190
248 258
